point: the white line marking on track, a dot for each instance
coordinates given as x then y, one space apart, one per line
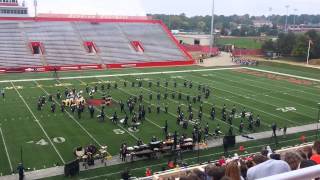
6 149
38 122
119 75
283 74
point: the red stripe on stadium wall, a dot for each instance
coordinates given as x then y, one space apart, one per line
97 66
150 64
182 49
9 4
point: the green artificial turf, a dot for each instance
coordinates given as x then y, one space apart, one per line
36 132
240 42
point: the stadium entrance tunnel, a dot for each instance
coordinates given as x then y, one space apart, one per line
37 48
90 47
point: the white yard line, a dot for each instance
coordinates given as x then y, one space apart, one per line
38 122
6 149
119 75
283 74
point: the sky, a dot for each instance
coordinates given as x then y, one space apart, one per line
189 7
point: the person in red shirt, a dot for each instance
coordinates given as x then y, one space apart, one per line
170 164
222 161
316 152
148 172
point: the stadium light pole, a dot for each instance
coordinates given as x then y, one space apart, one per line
35 3
212 31
286 26
270 13
294 17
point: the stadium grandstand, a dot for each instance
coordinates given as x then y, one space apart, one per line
43 43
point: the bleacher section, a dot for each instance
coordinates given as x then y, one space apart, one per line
63 43
62 46
14 51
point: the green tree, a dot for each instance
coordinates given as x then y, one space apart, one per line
269 46
286 43
315 48
301 46
201 26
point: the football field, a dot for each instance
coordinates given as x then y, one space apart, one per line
285 96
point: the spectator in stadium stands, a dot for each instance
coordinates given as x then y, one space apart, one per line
243 169
222 161
268 168
170 164
305 152
293 159
275 156
233 171
199 174
148 172
226 178
192 176
306 163
214 172
258 159
316 152
125 175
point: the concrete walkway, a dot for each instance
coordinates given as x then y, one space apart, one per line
56 171
223 59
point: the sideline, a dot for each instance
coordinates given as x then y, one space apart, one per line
119 75
283 74
5 147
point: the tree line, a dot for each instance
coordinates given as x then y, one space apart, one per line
233 25
291 44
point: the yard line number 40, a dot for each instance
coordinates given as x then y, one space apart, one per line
286 109
43 142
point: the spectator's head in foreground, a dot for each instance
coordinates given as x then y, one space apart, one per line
233 170
215 172
306 163
293 159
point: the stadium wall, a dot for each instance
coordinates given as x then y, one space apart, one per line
161 63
